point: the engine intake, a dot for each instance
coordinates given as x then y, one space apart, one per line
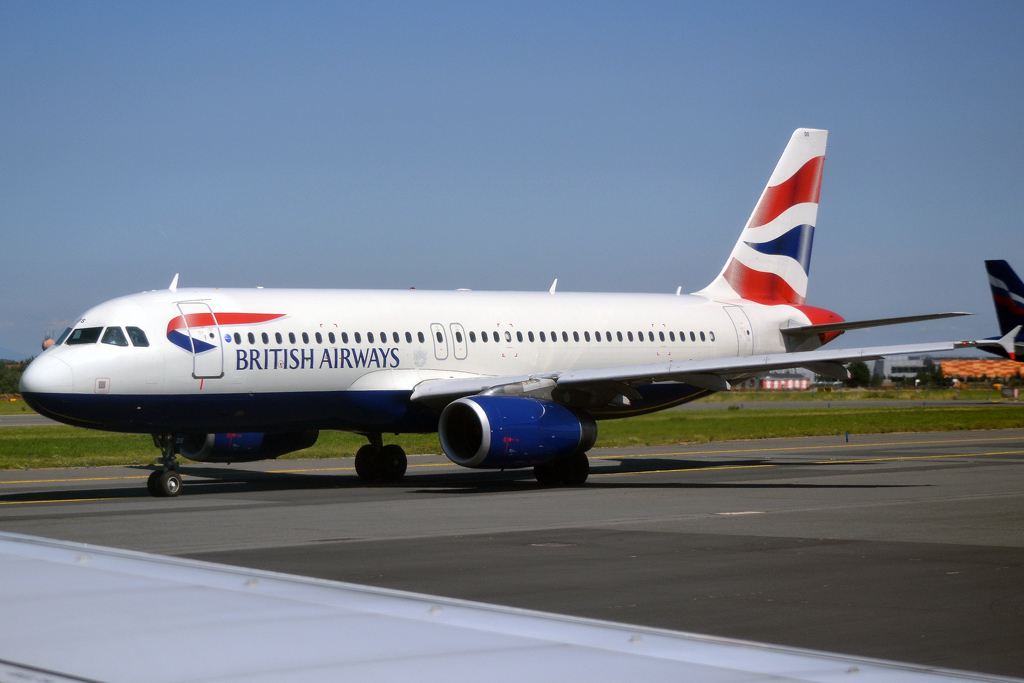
503 432
242 446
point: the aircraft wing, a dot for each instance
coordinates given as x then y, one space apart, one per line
710 373
77 612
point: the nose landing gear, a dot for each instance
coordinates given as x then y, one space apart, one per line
376 462
165 482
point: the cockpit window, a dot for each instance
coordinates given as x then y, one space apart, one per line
85 335
114 336
138 337
63 336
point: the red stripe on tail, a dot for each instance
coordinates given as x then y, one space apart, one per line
755 285
802 187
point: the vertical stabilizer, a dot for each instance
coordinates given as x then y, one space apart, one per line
772 257
1007 294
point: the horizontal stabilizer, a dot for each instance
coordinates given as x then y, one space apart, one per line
808 330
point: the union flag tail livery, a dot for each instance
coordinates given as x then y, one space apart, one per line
772 257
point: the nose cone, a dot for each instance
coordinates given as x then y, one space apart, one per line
47 375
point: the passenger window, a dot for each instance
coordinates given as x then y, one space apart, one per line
671 336
712 336
508 336
530 336
650 336
661 336
554 336
472 336
630 335
408 338
62 337
319 339
440 338
586 336
542 338
458 336
252 338
330 337
419 335
369 337
692 337
383 337
266 339
608 336
114 336
640 336
278 338
291 337
597 336
344 337
483 336
576 336
395 338
238 337
138 337
85 335
702 336
359 340
519 336
305 338
565 336
619 335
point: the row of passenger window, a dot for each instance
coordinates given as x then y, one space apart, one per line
484 337
112 335
331 338
586 336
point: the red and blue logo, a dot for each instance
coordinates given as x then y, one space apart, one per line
188 331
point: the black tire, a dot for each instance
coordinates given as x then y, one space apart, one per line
153 484
575 469
366 463
169 483
547 475
392 463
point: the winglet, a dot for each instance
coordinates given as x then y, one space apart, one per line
553 285
174 283
1006 341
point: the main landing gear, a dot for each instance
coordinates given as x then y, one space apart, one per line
377 462
166 481
571 471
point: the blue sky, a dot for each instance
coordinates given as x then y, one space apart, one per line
618 147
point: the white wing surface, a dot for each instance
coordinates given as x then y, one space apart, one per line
73 612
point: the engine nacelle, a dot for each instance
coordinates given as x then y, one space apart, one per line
243 446
504 432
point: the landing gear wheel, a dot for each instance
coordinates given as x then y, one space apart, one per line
169 483
367 463
574 469
152 484
391 463
547 475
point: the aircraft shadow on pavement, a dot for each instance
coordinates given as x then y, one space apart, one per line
200 480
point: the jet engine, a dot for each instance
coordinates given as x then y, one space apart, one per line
243 446
499 432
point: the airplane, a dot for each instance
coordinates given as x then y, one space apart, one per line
1008 298
507 379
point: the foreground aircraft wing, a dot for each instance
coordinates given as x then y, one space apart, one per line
710 373
76 612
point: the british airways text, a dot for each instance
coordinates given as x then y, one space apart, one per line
301 359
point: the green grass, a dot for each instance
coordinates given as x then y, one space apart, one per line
857 395
59 446
15 407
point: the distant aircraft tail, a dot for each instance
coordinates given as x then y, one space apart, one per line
772 258
1007 294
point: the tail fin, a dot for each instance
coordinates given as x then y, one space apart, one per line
1007 294
772 258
